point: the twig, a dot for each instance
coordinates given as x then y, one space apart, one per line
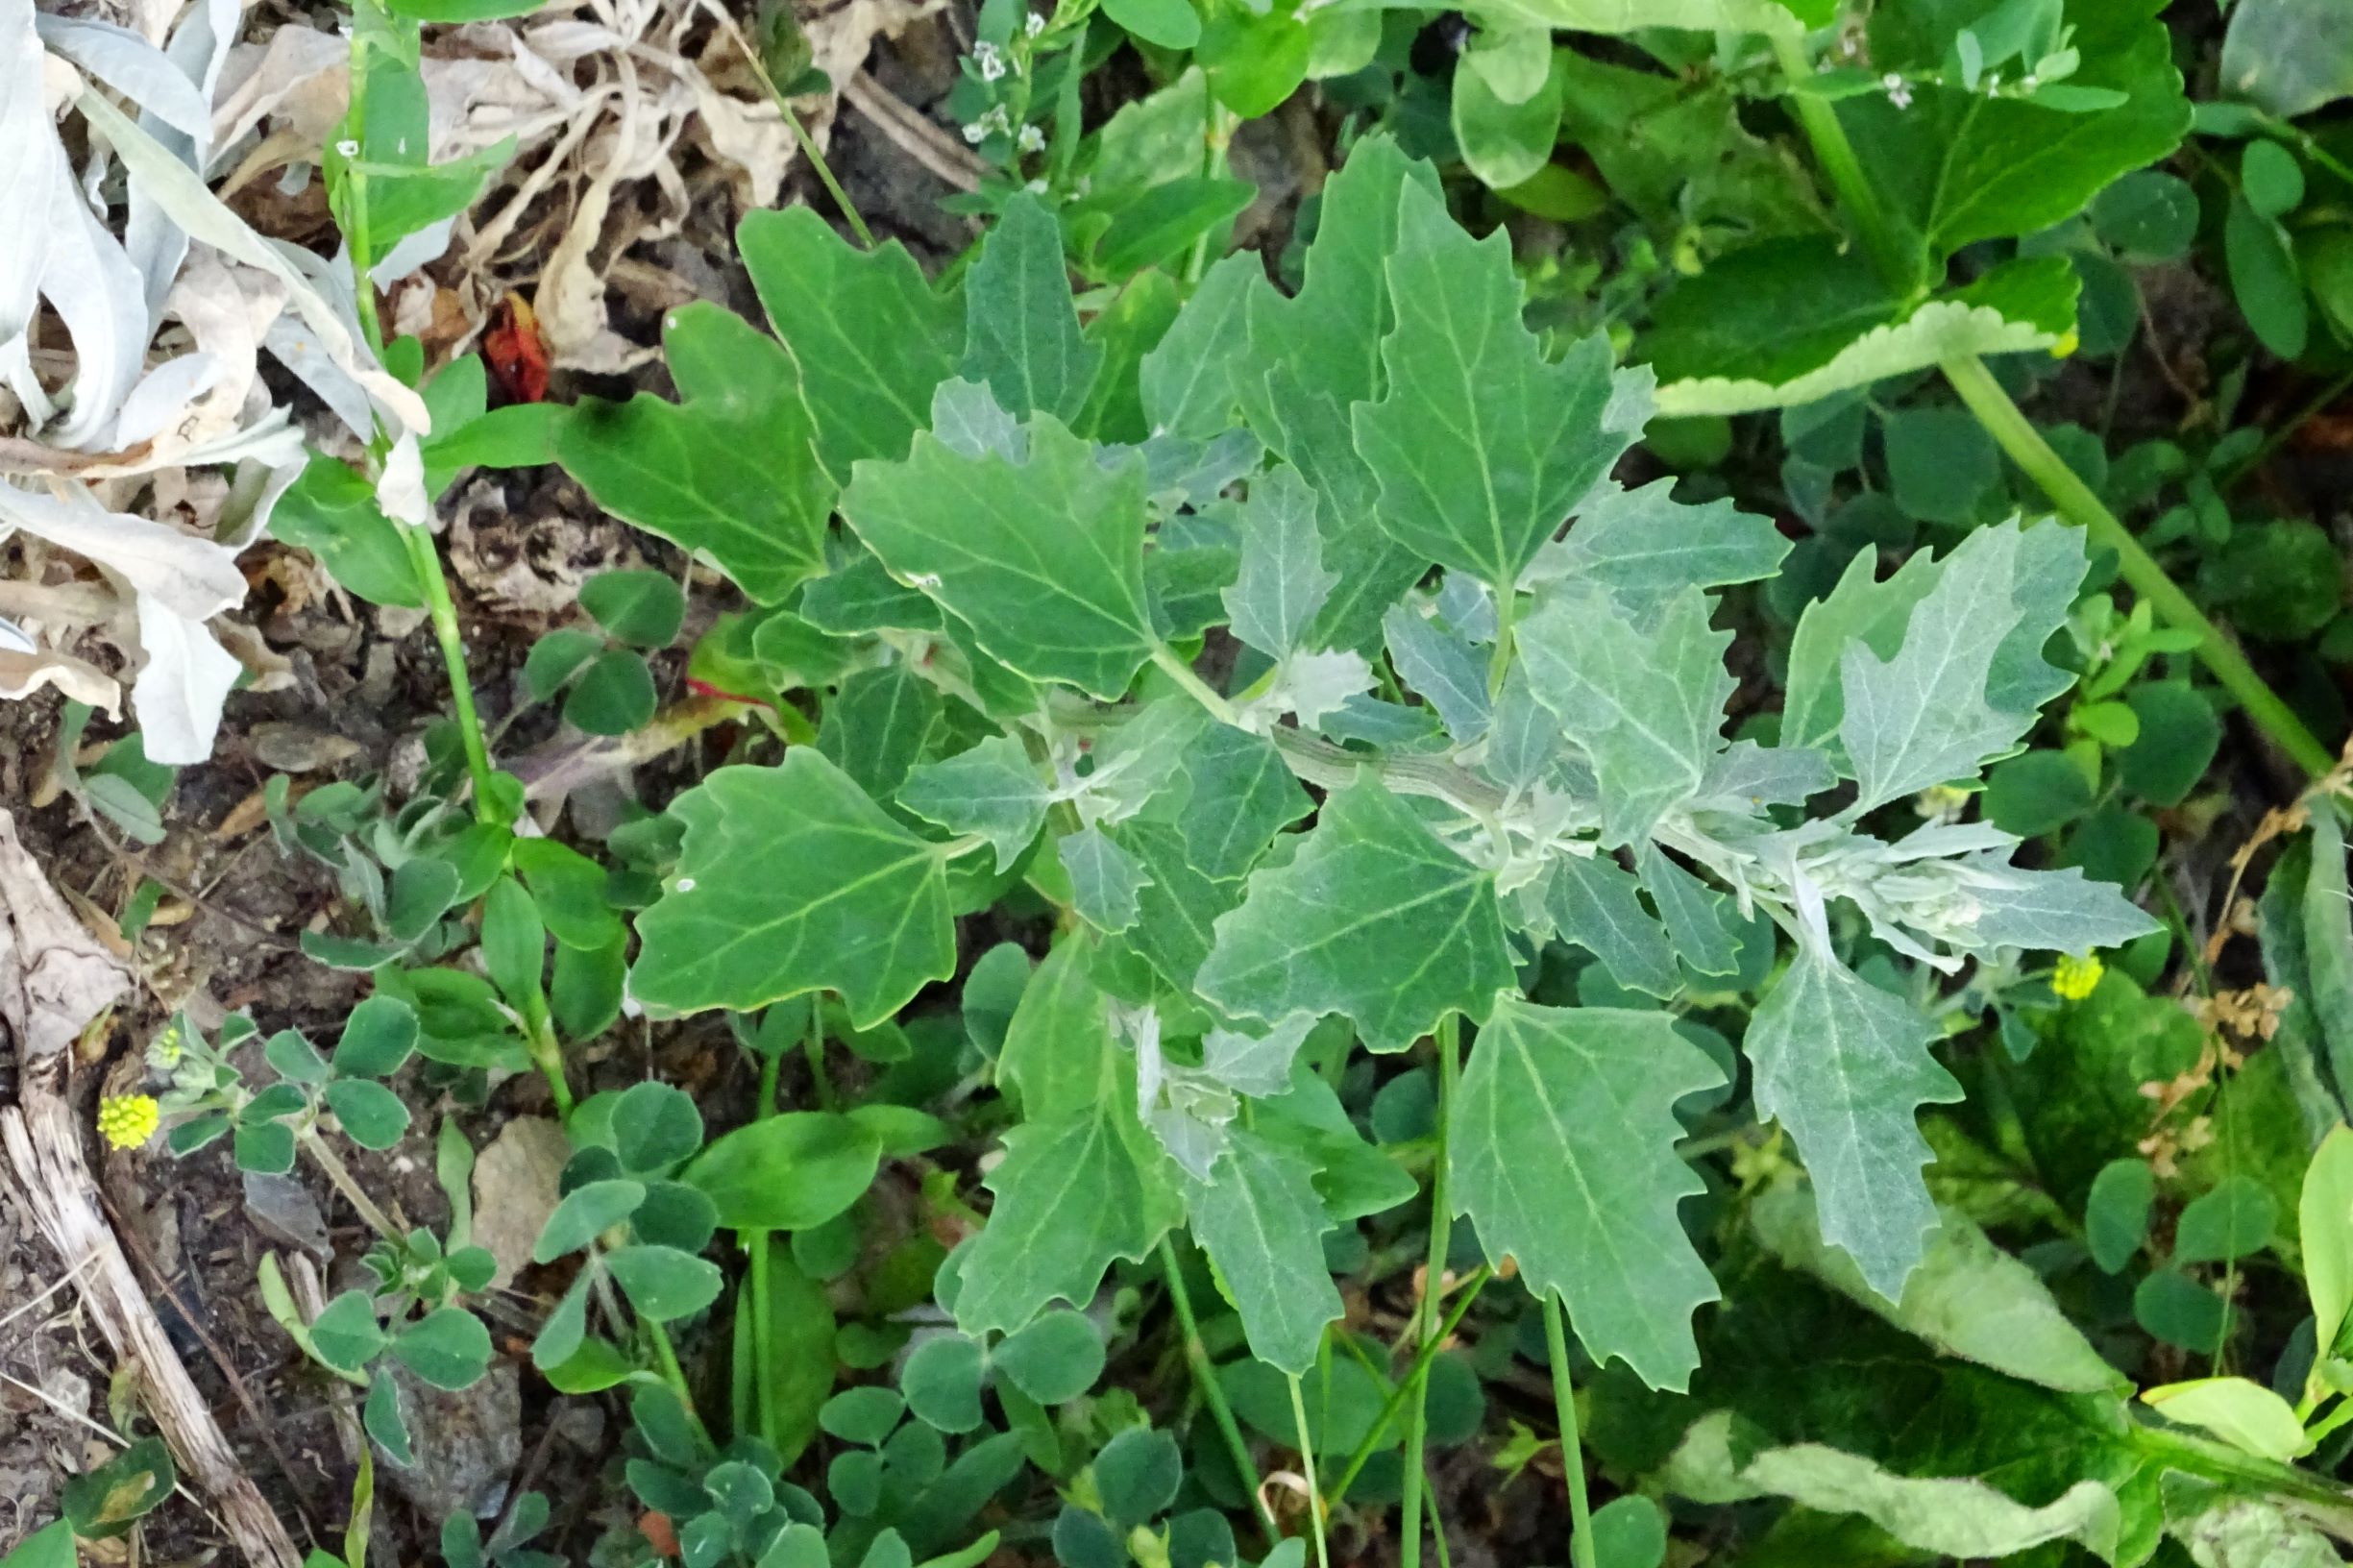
914 135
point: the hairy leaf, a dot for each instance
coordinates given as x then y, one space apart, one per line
1562 1152
1258 1218
1373 918
791 880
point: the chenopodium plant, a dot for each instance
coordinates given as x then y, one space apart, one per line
1516 733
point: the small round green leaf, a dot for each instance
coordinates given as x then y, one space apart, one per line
1137 1474
654 1127
377 1038
644 609
2115 1214
1628 1532
664 1283
2148 215
613 696
295 1058
346 1334
1054 1360
675 1215
2271 178
373 1117
1172 24
585 1213
448 1348
2036 793
556 658
941 1381
421 892
2174 1307
788 1172
2232 1221
862 1415
855 1478
2263 279
2179 736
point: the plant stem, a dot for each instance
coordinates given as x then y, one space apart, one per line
1199 690
345 1183
801 132
814 1047
757 1245
2017 435
1205 1379
1441 1233
665 1358
1845 171
1413 1378
1307 1467
1572 1451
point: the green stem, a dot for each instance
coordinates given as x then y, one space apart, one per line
1506 612
1572 1451
2285 432
1205 1379
757 1245
802 138
340 1175
1415 1376
2017 435
1441 1233
1199 690
1306 1468
666 1360
1844 170
356 199
814 1049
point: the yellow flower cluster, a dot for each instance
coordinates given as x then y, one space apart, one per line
2076 978
129 1120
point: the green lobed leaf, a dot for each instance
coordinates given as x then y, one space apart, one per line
1261 1221
1646 546
868 335
730 471
1593 903
1022 334
1562 1150
1374 918
1043 559
878 725
1281 584
1481 448
791 880
993 790
1845 1067
1645 703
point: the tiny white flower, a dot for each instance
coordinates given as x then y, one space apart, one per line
975 132
1031 139
1899 91
989 60
1034 25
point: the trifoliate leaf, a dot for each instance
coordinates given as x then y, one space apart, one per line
1562 1152
1042 559
1282 582
1373 918
871 336
1440 667
1845 1067
1646 703
1646 546
1593 903
1104 880
1024 336
1481 448
1260 1222
791 880
993 790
